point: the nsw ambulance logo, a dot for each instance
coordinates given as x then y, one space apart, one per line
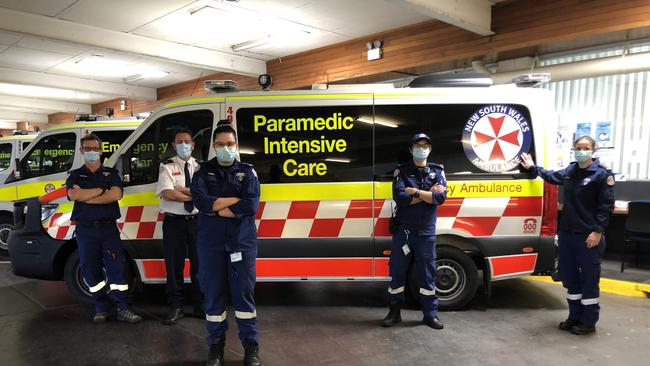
494 137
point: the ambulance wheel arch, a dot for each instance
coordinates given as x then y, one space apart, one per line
6 224
456 278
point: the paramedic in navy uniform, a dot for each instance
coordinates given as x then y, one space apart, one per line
95 190
588 202
227 192
418 188
179 225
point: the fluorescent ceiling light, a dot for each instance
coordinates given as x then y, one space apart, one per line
99 66
338 160
41 91
377 121
247 152
251 44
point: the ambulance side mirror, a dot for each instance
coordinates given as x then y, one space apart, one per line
17 169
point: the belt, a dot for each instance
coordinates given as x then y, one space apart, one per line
96 223
184 217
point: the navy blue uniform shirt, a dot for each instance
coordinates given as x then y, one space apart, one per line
420 216
104 178
212 181
588 195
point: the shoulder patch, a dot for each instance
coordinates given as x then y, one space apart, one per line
395 173
162 168
610 180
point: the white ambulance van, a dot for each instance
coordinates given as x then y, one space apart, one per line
45 162
325 160
10 149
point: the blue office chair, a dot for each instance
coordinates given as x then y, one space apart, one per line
637 228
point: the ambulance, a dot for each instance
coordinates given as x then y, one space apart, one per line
45 162
10 149
325 160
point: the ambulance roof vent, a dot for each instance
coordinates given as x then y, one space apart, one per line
220 86
471 79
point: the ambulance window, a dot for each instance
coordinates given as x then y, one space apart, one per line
307 144
52 154
143 156
5 156
111 140
25 144
465 138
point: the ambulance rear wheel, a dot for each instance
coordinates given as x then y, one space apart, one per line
6 225
76 284
456 279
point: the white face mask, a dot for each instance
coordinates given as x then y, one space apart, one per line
420 153
226 154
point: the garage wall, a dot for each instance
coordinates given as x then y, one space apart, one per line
620 101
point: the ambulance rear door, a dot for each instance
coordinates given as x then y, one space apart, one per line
313 156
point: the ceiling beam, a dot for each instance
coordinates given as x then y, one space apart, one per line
109 89
472 15
22 116
47 27
45 105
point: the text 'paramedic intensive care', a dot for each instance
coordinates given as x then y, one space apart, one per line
321 145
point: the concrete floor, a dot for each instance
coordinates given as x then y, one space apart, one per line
324 324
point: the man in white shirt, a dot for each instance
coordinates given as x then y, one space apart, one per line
179 225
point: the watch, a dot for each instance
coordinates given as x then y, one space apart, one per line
416 194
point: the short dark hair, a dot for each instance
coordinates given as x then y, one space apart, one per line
224 126
90 137
588 138
182 130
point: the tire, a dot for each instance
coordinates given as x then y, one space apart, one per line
6 225
77 286
456 279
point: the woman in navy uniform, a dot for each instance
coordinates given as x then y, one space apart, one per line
227 192
95 190
418 188
588 202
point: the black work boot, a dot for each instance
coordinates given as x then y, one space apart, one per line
434 322
251 354
175 314
568 324
100 317
215 354
127 316
394 316
583 329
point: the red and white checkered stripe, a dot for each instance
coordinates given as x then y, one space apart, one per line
467 217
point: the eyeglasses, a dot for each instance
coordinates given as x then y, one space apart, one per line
88 149
421 146
227 144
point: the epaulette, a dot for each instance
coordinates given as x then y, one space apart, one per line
436 165
168 161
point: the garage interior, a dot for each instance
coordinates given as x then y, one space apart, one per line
60 59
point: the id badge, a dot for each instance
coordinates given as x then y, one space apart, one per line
235 257
406 249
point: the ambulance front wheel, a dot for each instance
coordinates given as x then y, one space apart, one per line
6 224
77 286
456 279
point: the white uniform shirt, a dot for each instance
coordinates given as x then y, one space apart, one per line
172 175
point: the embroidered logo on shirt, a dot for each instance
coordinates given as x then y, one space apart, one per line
240 176
610 180
586 181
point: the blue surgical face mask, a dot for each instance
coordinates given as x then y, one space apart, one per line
91 156
184 150
420 153
583 156
226 155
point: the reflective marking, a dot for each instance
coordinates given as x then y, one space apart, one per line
396 291
574 296
426 292
119 287
589 301
245 314
97 287
216 318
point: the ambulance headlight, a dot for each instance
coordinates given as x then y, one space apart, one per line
47 210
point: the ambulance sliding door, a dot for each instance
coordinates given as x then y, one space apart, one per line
313 156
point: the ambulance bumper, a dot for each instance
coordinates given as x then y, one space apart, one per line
32 251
